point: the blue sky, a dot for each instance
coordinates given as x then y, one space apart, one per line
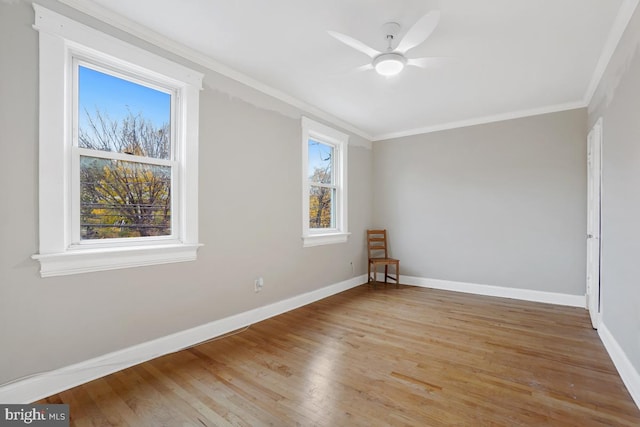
117 97
319 154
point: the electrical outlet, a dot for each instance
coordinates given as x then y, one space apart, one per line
258 284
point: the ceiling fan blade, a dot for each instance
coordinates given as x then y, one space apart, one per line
356 44
419 32
351 71
427 62
364 67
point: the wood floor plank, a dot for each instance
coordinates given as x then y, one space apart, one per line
402 357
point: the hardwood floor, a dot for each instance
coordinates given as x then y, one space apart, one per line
408 356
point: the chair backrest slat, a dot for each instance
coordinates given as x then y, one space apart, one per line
377 243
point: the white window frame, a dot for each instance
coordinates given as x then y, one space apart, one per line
61 42
78 152
339 141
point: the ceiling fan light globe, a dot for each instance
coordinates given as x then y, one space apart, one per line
389 64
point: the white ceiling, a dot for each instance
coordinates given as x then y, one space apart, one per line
505 58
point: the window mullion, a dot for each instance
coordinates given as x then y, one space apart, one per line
319 184
123 157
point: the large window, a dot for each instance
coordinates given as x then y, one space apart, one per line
324 184
124 152
118 152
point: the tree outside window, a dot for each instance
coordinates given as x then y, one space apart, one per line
324 182
118 152
322 187
125 158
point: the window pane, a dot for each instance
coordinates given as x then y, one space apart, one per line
123 199
320 162
321 207
121 116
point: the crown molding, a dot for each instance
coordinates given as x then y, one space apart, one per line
627 8
120 22
115 20
482 120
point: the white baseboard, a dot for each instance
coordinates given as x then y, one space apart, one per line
498 291
45 384
630 376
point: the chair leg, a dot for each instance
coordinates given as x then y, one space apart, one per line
371 275
374 277
386 274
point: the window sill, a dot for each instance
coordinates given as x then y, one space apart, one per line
324 239
90 260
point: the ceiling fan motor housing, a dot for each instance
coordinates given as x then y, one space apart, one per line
390 63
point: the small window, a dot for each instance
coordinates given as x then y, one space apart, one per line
118 169
324 184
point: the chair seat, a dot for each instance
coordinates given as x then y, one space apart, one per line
383 260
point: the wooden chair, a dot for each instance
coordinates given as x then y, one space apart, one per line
379 255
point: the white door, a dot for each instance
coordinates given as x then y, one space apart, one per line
594 150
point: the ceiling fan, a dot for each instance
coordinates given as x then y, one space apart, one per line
393 60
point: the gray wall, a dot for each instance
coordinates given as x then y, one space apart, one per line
250 223
617 101
500 204
497 204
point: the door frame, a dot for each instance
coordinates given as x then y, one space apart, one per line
594 202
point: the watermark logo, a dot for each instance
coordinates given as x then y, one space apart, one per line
34 415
